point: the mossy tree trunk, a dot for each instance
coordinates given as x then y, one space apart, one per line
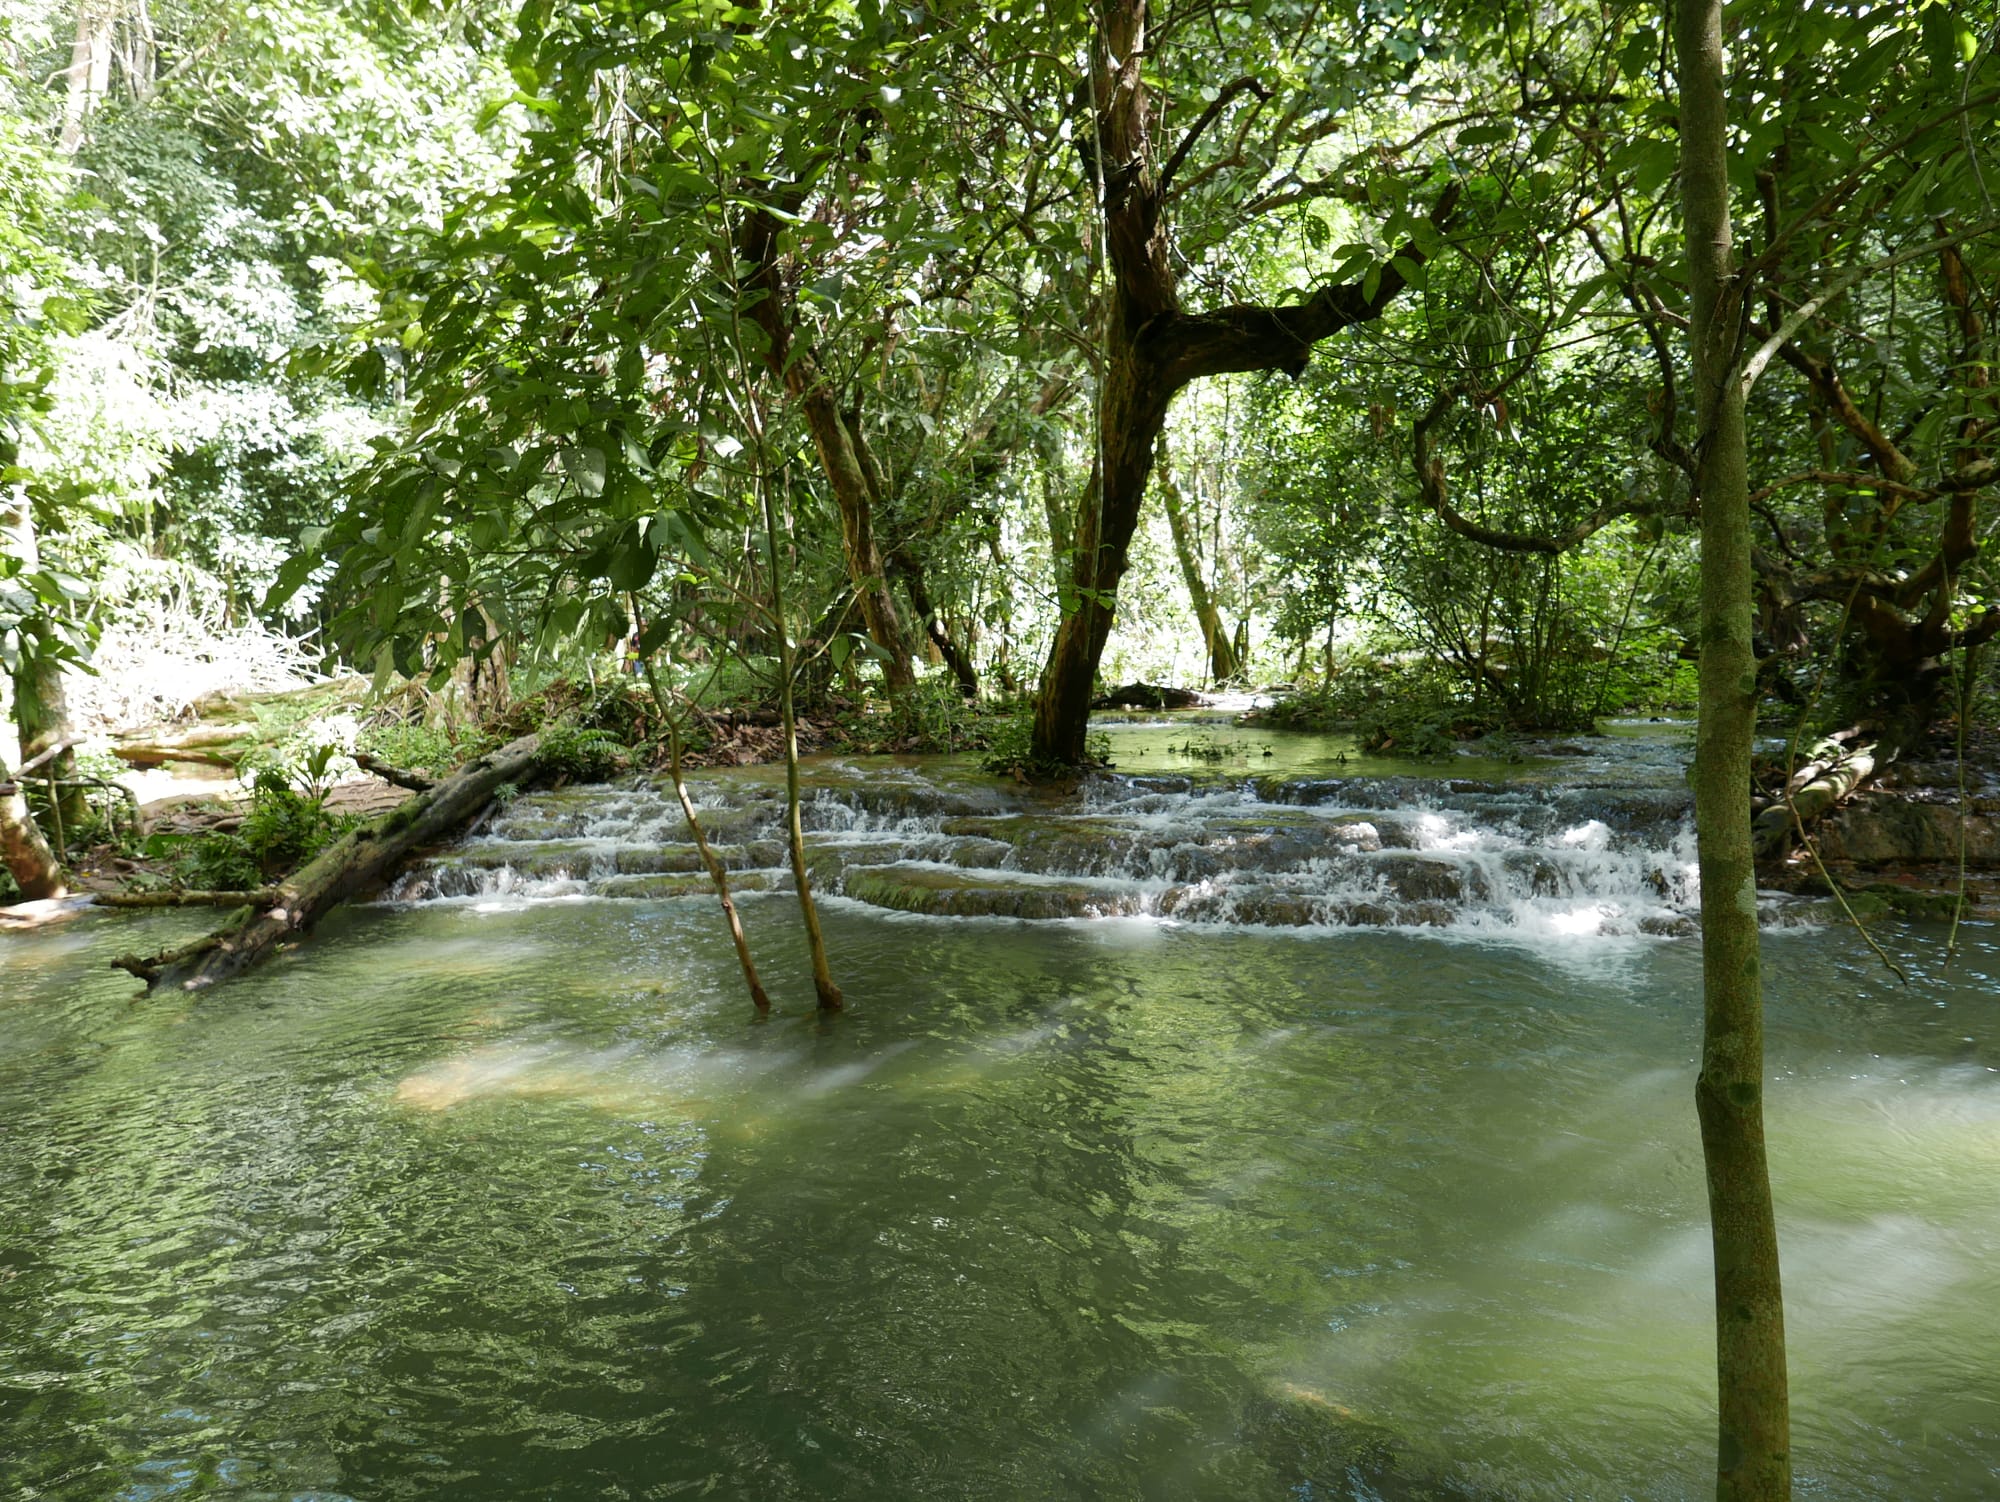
41 707
795 366
1753 1460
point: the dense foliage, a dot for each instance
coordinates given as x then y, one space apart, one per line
503 339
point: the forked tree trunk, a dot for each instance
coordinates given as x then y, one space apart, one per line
842 467
1152 348
796 368
359 862
1753 1459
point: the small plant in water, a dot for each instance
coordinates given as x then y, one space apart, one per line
1210 750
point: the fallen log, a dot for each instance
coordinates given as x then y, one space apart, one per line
360 861
216 745
175 897
1147 696
1833 775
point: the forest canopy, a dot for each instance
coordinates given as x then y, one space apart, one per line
1068 345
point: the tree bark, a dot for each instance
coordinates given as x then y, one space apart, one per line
359 862
844 474
26 854
799 372
1753 1459
908 569
41 708
257 897
1222 665
214 745
87 79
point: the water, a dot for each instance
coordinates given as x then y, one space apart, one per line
506 1195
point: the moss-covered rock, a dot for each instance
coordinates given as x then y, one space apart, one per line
966 894
661 885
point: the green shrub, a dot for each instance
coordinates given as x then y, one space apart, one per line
1393 708
281 831
932 716
580 754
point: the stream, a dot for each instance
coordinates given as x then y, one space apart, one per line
1235 1126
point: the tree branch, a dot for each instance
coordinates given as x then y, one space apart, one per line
1806 311
1202 122
1247 336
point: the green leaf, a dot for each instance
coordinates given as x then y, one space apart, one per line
586 468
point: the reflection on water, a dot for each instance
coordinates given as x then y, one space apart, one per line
523 1203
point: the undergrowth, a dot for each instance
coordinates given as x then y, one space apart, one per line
1011 750
287 824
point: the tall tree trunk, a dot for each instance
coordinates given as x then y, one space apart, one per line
22 849
1753 1459
1132 409
795 366
851 495
87 79
1152 347
905 565
1222 666
908 568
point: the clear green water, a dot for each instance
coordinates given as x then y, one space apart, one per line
517 1201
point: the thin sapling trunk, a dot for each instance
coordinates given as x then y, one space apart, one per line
717 873
829 994
1753 1454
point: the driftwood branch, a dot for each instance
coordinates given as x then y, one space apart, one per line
149 967
47 754
403 777
359 862
1834 774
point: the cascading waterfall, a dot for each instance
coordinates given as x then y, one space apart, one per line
1303 854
